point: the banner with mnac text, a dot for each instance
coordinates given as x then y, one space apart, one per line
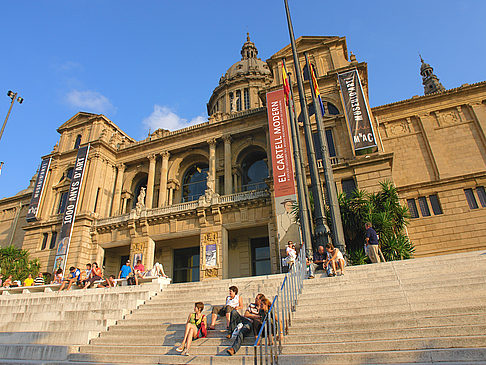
283 173
38 190
357 112
69 216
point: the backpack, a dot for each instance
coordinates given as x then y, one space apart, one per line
131 280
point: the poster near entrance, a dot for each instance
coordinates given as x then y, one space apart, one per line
70 213
283 173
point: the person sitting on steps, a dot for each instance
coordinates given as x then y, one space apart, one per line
74 275
233 301
196 327
334 260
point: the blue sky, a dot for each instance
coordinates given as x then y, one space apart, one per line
148 64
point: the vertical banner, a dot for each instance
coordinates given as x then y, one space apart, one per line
357 111
38 190
283 173
69 216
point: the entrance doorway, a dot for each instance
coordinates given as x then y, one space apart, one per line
186 265
260 256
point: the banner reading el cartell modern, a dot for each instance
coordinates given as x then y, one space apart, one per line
38 190
357 112
69 216
283 174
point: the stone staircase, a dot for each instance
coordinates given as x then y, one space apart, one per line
422 311
38 327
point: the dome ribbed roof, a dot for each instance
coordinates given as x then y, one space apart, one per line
248 65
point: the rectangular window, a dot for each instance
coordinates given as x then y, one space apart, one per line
231 101
247 98
62 203
471 200
53 240
412 207
44 241
424 207
434 201
349 186
238 100
96 200
330 143
481 195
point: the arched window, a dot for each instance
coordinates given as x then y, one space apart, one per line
332 109
254 171
78 142
194 183
142 183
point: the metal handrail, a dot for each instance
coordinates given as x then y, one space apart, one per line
279 316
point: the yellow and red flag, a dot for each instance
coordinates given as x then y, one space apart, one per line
285 83
316 88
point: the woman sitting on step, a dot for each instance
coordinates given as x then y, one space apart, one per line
335 259
196 327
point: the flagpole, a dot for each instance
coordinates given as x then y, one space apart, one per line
303 208
336 223
321 231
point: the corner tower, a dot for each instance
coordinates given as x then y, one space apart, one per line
429 80
238 88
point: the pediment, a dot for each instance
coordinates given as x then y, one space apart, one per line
78 119
303 43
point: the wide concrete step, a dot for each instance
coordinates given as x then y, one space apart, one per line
33 352
46 338
99 314
77 307
79 324
421 356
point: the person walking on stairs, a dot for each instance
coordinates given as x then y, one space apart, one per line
196 327
371 242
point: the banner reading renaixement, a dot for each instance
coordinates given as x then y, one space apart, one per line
357 113
283 173
38 190
69 216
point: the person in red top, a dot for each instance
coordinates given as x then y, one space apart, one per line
139 271
95 275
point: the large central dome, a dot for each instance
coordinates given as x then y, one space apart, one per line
238 88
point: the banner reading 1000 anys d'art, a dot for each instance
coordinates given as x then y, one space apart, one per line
69 216
283 173
38 190
357 113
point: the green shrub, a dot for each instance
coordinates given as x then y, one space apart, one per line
15 261
357 257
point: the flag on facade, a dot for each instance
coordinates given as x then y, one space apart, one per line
285 83
316 88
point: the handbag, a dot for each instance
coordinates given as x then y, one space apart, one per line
203 331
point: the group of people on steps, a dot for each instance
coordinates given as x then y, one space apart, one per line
238 326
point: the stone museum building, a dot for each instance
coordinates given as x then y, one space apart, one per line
169 196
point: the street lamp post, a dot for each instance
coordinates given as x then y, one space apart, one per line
14 97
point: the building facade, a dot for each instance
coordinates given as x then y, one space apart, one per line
199 200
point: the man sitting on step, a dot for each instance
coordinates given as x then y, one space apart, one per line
233 301
241 326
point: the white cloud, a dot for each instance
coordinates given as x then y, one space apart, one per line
163 117
89 101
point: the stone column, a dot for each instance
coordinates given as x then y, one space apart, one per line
163 179
228 189
150 182
235 180
117 197
212 164
214 236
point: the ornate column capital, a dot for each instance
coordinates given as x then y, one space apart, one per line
152 157
212 142
227 138
121 166
165 154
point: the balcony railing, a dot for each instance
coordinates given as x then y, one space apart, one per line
334 161
188 206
